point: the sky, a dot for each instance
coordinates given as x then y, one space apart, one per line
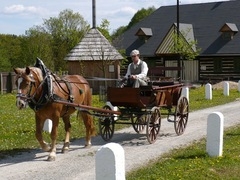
17 16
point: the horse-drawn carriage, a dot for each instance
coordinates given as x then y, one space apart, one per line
143 108
52 97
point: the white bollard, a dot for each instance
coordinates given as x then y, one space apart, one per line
215 130
226 88
208 91
185 92
239 86
110 162
47 125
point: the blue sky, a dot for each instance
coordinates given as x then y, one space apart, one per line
17 16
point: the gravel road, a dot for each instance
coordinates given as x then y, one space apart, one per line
79 163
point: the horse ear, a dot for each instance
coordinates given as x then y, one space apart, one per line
16 70
27 71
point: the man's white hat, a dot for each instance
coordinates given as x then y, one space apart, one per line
134 52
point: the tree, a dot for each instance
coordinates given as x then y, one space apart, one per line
185 48
104 29
66 30
140 14
10 50
38 43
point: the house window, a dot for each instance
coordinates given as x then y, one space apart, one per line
217 65
227 35
236 65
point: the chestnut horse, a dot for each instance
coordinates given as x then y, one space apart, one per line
39 88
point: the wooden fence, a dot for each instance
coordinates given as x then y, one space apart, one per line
7 82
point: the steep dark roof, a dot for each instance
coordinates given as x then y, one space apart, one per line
206 19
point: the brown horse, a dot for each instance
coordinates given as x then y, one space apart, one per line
38 89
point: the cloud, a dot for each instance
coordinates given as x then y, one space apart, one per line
120 13
21 9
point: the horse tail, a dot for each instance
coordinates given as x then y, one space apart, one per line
88 119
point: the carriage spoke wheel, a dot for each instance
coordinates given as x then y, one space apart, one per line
139 123
181 115
153 125
106 126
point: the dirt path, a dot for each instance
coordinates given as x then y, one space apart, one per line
79 163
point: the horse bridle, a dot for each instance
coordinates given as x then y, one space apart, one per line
28 97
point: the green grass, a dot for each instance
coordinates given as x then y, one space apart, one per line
192 162
17 129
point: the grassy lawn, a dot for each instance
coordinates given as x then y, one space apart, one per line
18 128
192 162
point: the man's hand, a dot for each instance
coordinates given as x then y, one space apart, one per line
133 76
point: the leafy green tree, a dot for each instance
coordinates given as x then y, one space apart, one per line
140 14
66 31
104 29
10 50
186 48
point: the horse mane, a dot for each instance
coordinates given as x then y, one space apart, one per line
37 72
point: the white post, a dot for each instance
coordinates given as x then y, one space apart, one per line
1 83
226 88
239 86
47 125
208 91
215 128
110 162
185 92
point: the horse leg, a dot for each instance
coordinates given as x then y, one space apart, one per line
90 130
67 127
52 154
38 134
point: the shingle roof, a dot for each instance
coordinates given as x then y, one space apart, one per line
93 46
206 19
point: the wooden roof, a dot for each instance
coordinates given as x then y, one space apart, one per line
93 46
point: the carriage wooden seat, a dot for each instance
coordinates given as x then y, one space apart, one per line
130 97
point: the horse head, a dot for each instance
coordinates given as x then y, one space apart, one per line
27 83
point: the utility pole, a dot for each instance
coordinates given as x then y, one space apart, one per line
178 55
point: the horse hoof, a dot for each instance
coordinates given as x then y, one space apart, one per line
65 150
88 146
51 158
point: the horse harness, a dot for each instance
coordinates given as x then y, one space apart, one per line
47 90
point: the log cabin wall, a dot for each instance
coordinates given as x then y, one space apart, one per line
215 69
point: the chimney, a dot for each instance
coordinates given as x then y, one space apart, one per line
94 14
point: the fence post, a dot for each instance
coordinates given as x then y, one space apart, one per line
215 134
239 86
110 162
226 88
208 91
1 83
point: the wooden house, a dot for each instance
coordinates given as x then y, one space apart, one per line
213 26
95 59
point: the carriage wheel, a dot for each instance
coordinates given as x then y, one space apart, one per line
138 123
106 126
181 115
153 125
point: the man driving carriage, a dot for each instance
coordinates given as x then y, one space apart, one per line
137 71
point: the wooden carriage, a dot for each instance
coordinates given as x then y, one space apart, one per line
142 106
